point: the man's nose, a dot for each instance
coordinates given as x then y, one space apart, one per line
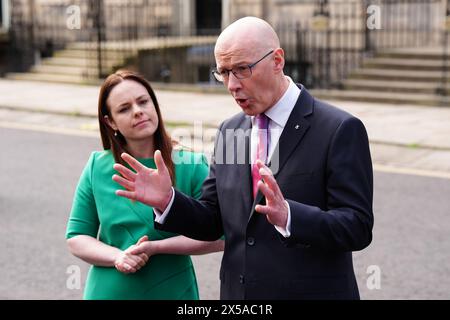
233 82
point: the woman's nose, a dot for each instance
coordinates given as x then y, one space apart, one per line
136 109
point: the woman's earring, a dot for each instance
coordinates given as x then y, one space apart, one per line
115 133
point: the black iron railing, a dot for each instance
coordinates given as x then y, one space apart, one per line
444 88
324 40
340 34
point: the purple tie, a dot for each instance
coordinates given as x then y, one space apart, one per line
262 121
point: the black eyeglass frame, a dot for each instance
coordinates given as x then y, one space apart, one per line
221 78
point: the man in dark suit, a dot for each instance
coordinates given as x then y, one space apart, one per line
291 233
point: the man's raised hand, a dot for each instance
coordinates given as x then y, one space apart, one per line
276 208
150 186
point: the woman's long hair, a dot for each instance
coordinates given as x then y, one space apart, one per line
117 143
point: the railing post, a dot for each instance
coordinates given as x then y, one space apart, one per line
265 9
31 34
328 46
98 24
321 24
100 37
442 90
367 46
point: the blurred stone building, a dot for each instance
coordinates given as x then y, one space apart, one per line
325 41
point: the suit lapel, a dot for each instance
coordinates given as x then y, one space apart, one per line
243 169
292 134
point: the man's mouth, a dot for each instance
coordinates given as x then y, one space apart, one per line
242 102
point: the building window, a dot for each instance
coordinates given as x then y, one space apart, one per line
4 14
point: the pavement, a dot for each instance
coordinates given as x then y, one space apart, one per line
403 138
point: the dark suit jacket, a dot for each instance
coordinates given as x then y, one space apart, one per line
324 172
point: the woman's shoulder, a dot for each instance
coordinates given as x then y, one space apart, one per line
100 159
188 157
102 156
191 169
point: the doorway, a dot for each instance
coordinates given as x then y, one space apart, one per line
208 15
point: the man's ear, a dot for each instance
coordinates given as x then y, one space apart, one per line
279 59
110 123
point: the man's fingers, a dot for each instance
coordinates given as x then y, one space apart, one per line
136 165
260 164
266 191
269 179
262 209
160 165
126 194
124 182
125 172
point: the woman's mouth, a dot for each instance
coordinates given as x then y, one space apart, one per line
140 123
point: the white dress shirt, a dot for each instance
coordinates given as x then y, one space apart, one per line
278 115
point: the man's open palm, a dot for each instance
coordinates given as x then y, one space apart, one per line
150 186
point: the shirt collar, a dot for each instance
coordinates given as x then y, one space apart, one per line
280 111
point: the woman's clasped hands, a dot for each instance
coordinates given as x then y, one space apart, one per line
128 262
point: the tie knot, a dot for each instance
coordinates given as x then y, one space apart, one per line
262 121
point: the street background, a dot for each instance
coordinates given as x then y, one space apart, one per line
384 61
47 132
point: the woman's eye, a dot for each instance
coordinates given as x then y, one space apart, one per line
143 102
122 110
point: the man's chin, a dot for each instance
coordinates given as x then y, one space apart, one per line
249 111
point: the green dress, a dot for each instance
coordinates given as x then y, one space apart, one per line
120 222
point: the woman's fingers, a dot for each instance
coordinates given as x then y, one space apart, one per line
125 267
144 257
142 239
136 261
138 250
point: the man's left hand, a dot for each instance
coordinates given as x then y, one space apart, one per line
276 208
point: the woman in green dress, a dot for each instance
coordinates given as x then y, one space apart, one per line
103 228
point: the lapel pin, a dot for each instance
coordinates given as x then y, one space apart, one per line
297 126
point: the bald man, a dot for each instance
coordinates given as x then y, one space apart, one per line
290 183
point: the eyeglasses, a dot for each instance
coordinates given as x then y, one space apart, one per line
240 72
